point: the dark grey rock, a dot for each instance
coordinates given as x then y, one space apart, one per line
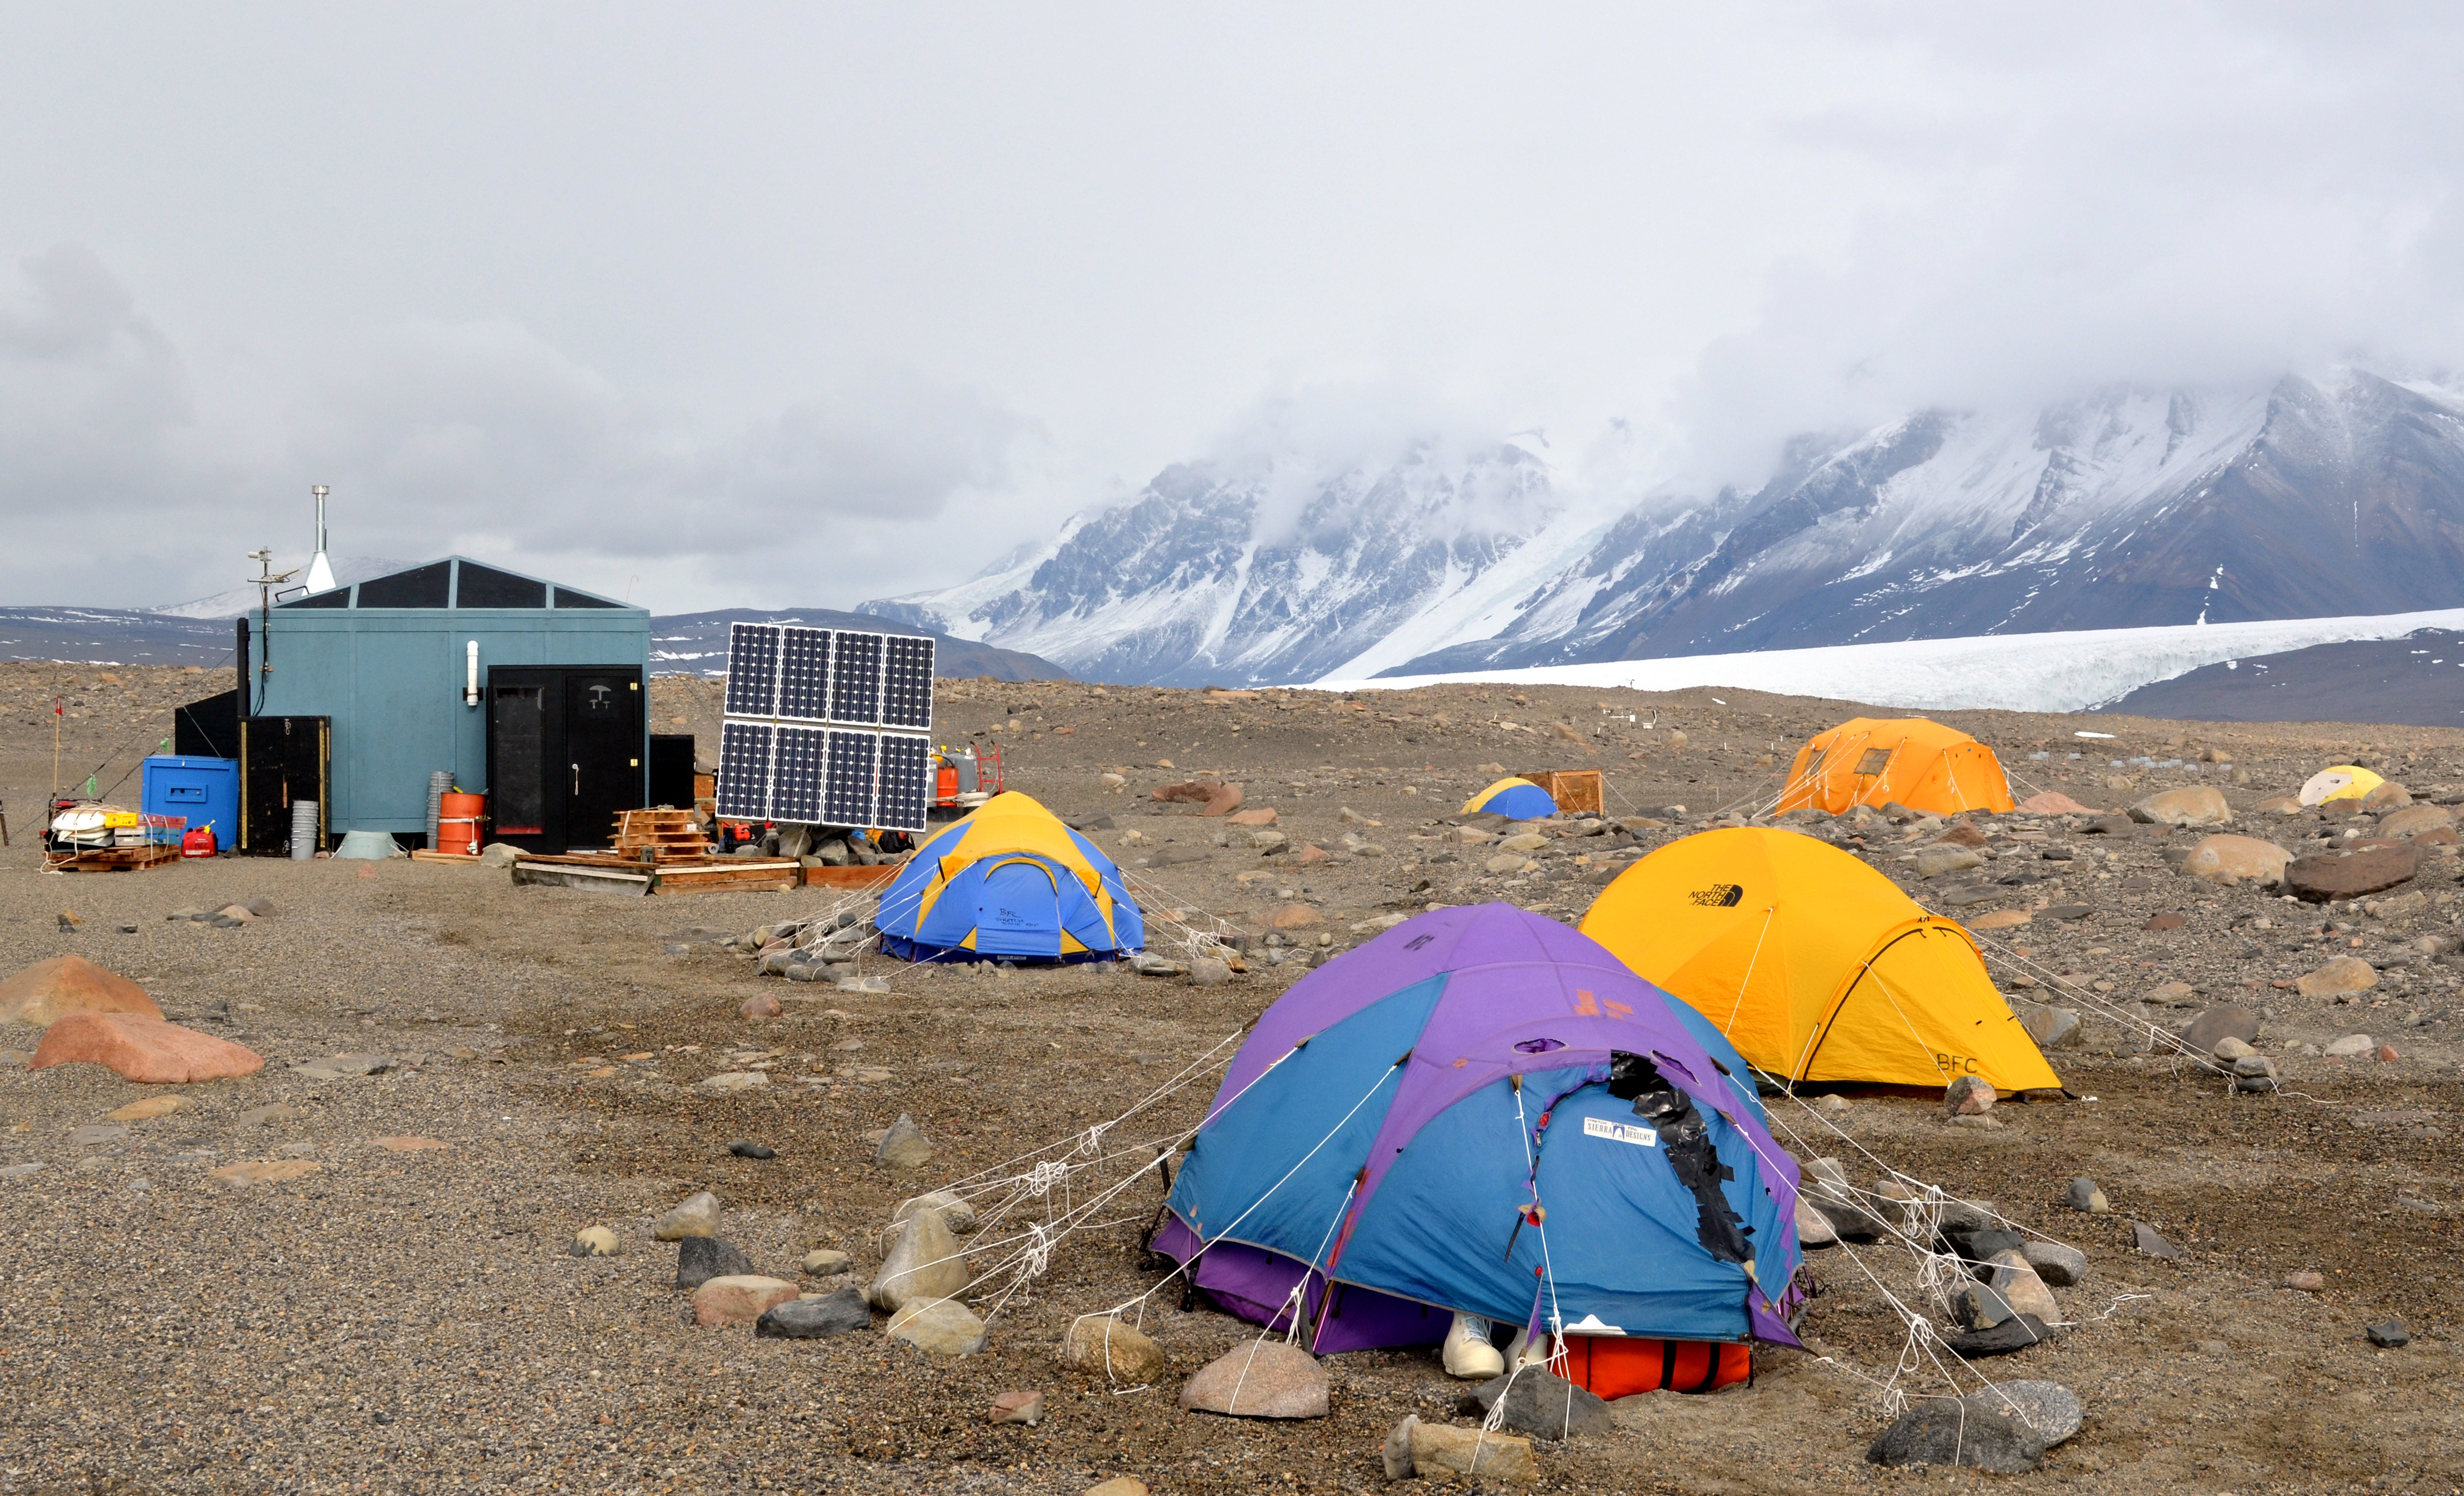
812 1319
2050 1410
2144 1238
2390 1333
2069 912
2218 1024
2061 1266
1544 1405
1177 856
1951 1431
1977 1246
701 1258
745 1147
2015 1333
2085 1196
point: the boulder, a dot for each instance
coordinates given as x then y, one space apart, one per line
2346 974
923 1262
2386 795
1112 1349
1190 791
2413 820
739 1298
701 1258
2051 1028
2350 1046
2062 1267
2281 805
1226 800
1543 1404
139 1048
1813 1228
1294 916
696 1215
499 854
2327 877
152 1106
1469 1451
2235 860
956 1214
1264 815
1968 1097
904 1146
1259 1378
2001 919
2190 805
826 1263
2050 803
1935 861
2050 1410
814 1318
2218 1023
2022 1288
596 1242
1946 1431
940 1327
1021 1406
2145 1240
70 984
2085 1196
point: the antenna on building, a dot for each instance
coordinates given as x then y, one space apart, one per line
321 571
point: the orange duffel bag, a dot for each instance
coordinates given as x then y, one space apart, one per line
1612 1366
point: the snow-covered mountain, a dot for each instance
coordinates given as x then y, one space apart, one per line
2318 497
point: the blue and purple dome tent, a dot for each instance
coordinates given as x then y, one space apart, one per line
1483 1111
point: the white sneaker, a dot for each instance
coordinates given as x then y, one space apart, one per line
1528 1349
1468 1355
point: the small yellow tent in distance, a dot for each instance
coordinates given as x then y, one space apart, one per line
1923 765
1814 965
2341 782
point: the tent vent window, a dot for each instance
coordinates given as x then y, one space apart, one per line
1874 762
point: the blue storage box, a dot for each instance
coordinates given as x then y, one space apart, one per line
204 790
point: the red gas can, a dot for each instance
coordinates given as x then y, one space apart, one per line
197 843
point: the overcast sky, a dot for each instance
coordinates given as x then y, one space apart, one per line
722 304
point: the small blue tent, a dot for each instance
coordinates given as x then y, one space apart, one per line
1515 799
1010 881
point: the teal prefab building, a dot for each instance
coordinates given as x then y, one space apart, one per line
527 691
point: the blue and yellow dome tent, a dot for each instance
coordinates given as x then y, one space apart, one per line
1515 799
1010 881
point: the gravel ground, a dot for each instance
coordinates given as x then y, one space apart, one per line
410 1319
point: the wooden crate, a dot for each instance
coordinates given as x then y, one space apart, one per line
1577 792
659 835
605 875
728 875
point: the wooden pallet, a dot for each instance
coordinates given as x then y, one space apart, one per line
116 859
659 835
728 875
423 854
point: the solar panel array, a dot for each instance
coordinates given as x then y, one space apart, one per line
826 727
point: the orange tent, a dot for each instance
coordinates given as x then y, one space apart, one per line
1923 765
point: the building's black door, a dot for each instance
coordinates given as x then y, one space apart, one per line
565 754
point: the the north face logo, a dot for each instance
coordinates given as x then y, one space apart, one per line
1719 895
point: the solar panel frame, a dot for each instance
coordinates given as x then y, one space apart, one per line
804 674
802 739
751 670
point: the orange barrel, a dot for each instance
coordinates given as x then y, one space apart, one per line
457 827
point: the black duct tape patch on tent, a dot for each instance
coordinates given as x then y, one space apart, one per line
1696 1162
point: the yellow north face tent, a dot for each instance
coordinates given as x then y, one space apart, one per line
1923 765
2342 782
1814 965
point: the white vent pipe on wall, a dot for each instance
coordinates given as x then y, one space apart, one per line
471 683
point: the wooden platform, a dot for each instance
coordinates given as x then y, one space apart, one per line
1577 792
115 859
859 879
423 854
613 872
